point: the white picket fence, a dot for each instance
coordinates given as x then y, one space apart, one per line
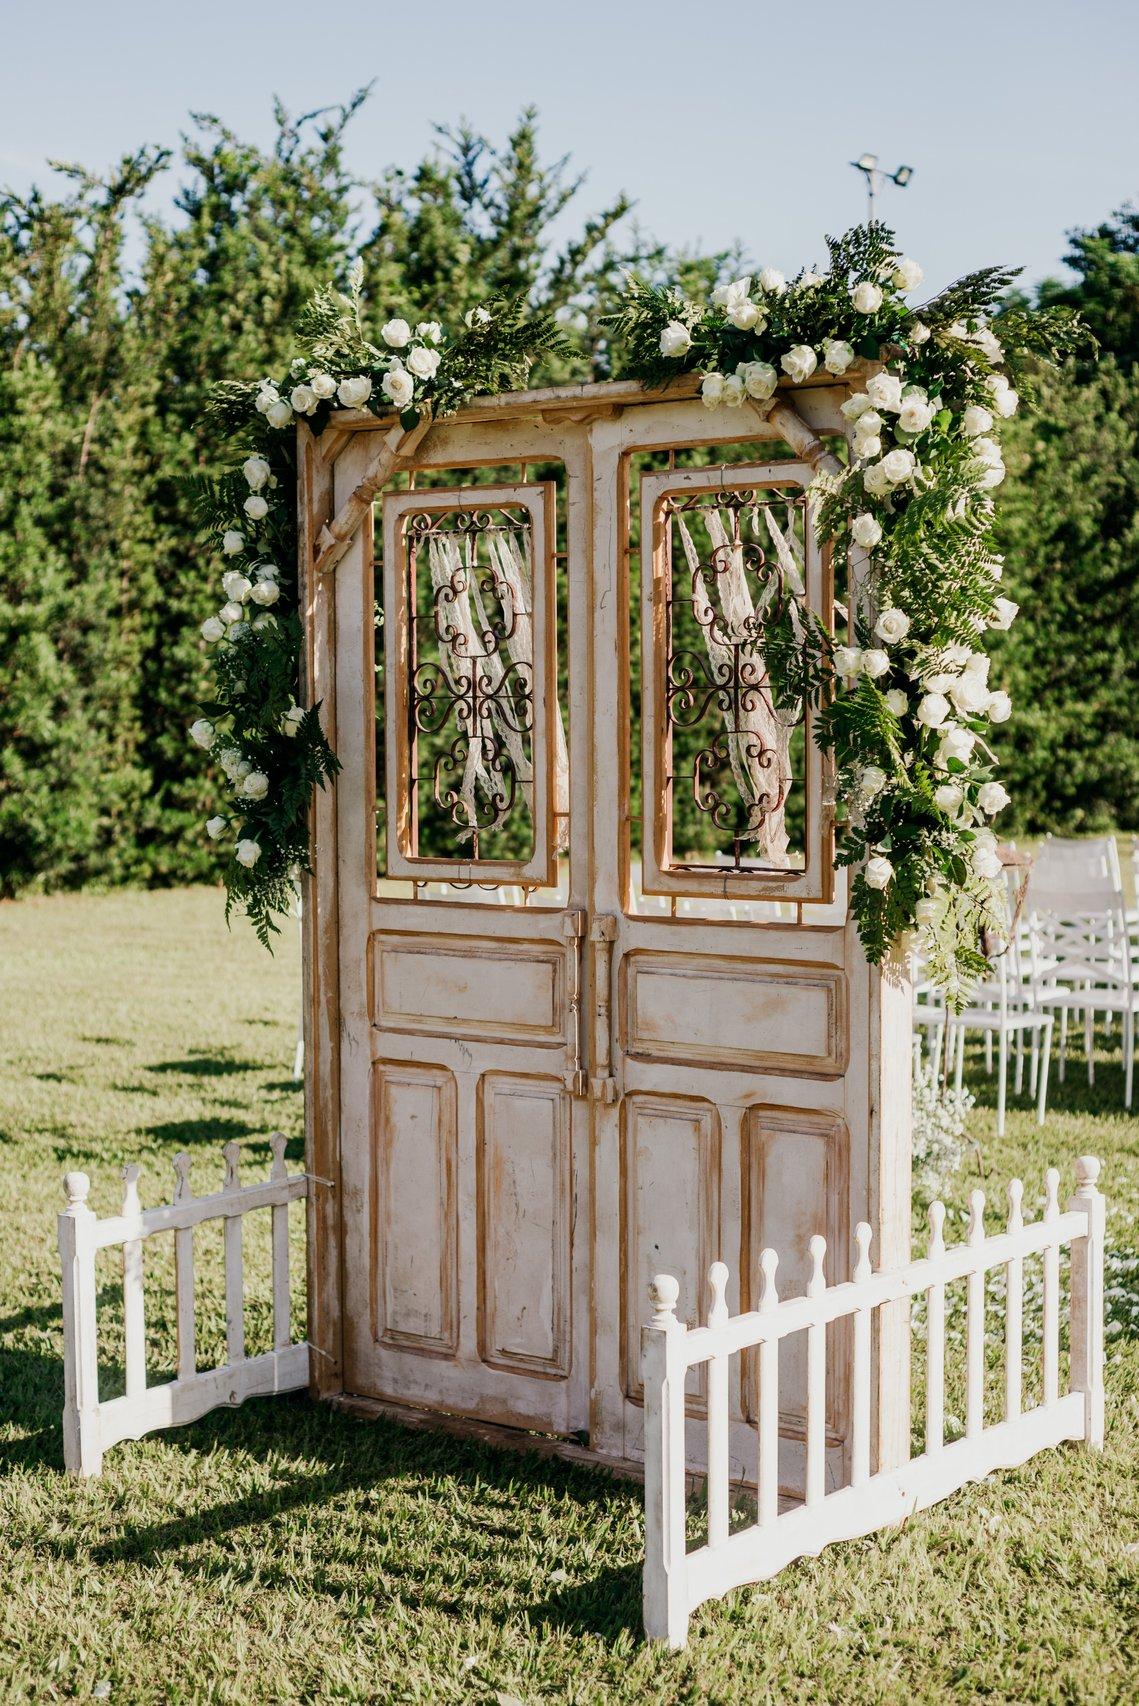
90 1427
677 1580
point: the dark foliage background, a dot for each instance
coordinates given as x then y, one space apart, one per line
108 350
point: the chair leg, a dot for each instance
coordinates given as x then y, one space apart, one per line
1019 1061
1089 1039
1128 1056
1046 1056
959 1064
1033 1062
1063 1041
988 1054
1002 1079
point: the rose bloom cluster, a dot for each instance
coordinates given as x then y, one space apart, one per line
412 364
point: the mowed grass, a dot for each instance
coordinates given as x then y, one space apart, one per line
284 1551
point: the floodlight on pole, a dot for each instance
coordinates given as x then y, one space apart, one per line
875 177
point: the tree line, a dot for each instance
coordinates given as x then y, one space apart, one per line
116 321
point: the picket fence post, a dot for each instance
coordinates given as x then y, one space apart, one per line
663 1365
1086 1307
82 1452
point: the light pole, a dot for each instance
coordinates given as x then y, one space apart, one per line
875 177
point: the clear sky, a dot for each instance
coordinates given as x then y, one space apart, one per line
725 122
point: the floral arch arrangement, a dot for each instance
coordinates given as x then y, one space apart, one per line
905 703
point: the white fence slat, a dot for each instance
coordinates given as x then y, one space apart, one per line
1014 1308
82 1449
816 1380
282 1326
134 1307
935 1337
718 1414
1051 1290
860 1367
975 1324
184 1307
234 1266
768 1398
1086 1304
676 1580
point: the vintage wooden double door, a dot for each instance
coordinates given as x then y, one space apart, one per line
600 1013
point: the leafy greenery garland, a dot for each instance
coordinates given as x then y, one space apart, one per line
905 707
272 751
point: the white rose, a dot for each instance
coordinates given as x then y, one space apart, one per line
916 413
999 708
303 399
927 910
230 612
809 280
398 386
266 592
215 828
733 392
919 333
255 785
898 465
992 798
1005 399
957 743
266 397
212 630
759 377
897 701
772 281
875 662
232 542
988 345
423 363
976 421
323 385
948 797
745 315
712 389
969 694
476 317
256 471
279 414
867 446
675 340
264 619
866 297
396 334
291 721
866 530
799 363
1004 613
847 660
236 586
876 481
725 293
907 274
247 853
354 393
893 625
871 783
202 732
429 330
885 391
855 406
837 356
987 863
255 507
933 708
878 872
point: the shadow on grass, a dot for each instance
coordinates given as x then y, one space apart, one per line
205 1066
211 1129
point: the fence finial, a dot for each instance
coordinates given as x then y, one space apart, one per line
818 1249
976 1233
718 1281
277 1142
1052 1193
1087 1173
78 1187
131 1203
664 1292
768 1262
231 1154
182 1191
1015 1205
937 1229
862 1238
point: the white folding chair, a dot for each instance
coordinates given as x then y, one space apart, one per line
1084 963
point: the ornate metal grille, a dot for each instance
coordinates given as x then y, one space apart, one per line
734 559
470 701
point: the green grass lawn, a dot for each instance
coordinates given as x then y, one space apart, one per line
285 1551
